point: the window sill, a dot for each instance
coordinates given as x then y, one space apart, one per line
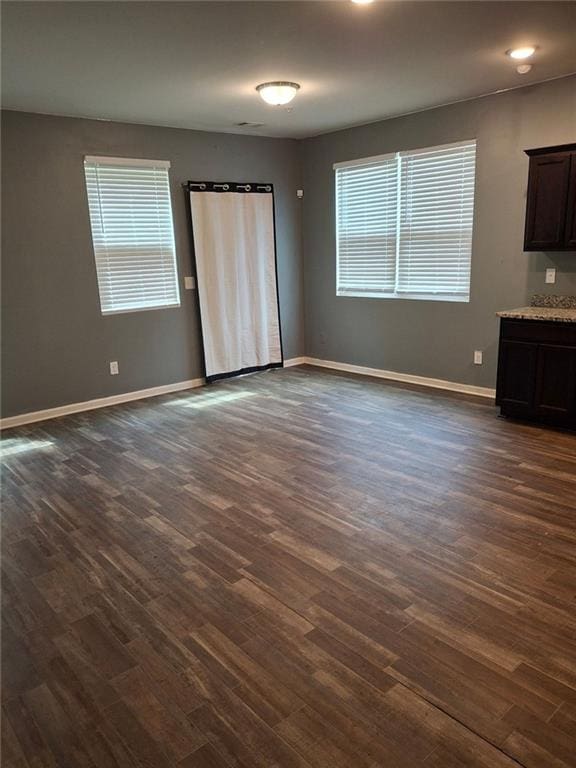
106 313
409 296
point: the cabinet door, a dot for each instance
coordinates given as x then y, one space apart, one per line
547 199
570 227
556 380
516 374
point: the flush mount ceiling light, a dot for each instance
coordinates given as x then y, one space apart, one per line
521 53
362 2
278 92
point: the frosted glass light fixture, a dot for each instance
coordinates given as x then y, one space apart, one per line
278 92
522 53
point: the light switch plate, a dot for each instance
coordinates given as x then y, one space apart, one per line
551 275
477 357
189 283
114 368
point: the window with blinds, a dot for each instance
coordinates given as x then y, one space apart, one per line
404 224
132 233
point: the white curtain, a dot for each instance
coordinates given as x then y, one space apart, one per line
236 273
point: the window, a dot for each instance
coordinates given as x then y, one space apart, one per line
404 224
132 233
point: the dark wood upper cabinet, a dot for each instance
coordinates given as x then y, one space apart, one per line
570 232
551 201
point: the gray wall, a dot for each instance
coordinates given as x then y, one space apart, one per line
56 344
427 338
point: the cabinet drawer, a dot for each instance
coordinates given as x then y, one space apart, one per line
539 331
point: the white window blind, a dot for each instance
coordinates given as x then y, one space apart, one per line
404 224
132 233
366 197
435 230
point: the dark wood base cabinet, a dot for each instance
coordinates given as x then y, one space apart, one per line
537 371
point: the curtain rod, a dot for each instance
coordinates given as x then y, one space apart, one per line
227 186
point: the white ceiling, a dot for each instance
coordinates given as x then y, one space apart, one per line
195 64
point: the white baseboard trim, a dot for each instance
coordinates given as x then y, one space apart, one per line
406 378
165 389
295 361
100 402
104 402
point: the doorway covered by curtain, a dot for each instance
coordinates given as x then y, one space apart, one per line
235 252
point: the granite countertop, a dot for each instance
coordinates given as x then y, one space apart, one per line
559 315
558 309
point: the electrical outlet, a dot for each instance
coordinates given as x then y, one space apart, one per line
189 283
477 357
114 368
551 275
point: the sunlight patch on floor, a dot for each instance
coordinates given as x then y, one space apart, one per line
14 446
209 399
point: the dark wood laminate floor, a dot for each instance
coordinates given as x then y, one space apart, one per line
287 570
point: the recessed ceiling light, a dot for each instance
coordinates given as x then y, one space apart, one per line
278 92
362 2
522 53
